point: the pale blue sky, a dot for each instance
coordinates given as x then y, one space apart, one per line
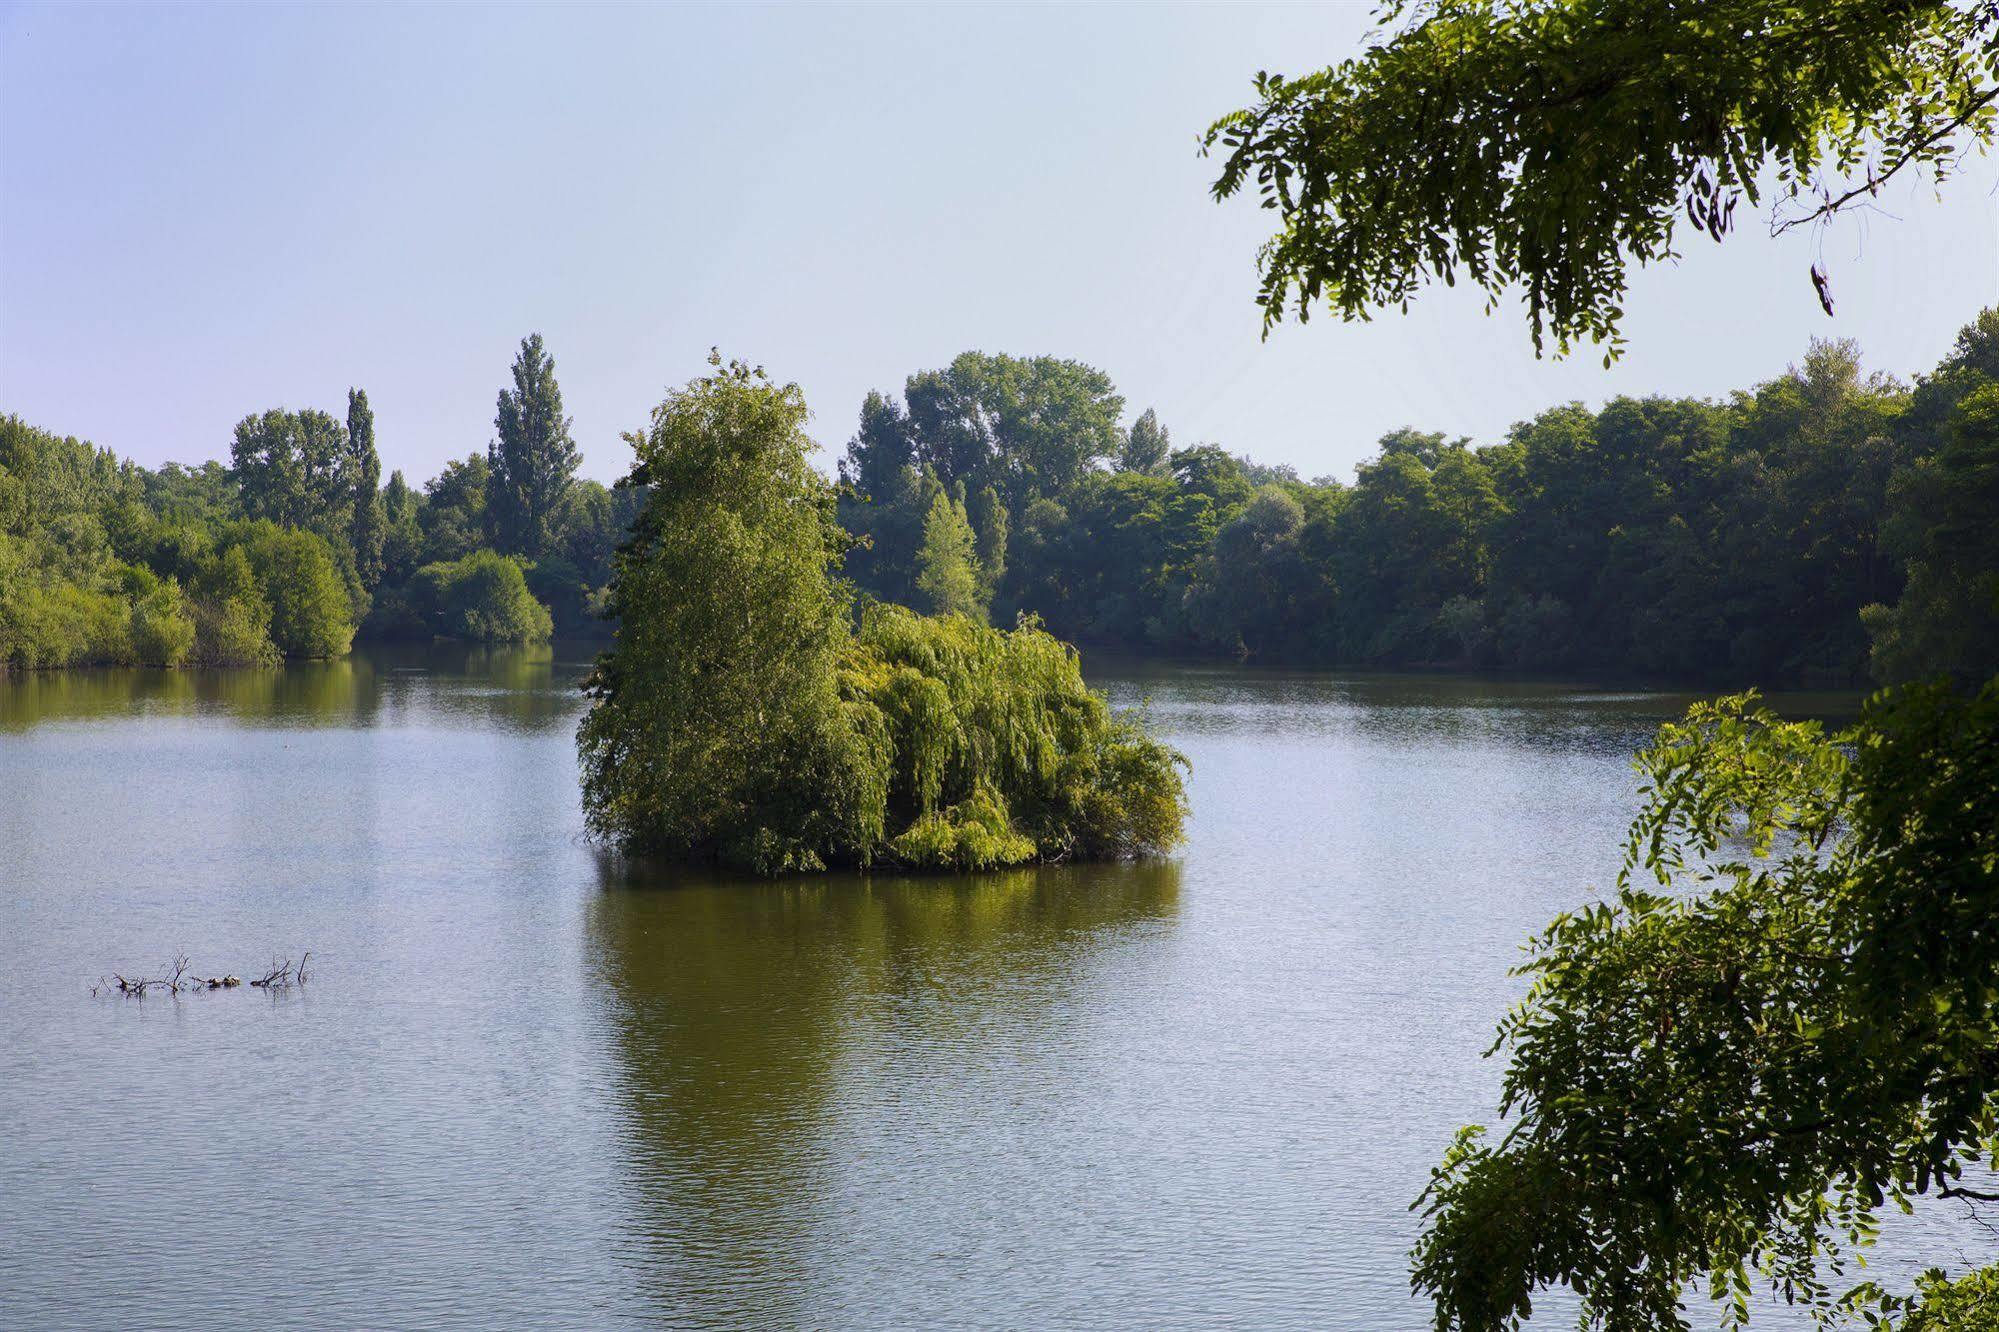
206 212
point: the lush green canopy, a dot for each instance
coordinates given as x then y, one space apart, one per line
1549 143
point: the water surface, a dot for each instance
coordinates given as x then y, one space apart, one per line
525 1085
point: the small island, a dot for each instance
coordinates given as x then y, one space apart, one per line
750 714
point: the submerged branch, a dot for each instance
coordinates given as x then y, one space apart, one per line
178 979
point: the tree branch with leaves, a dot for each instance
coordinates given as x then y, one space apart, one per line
1547 146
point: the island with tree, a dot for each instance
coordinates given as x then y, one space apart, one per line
742 717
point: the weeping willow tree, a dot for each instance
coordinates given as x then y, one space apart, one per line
999 753
741 718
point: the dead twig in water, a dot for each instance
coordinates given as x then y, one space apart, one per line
135 987
281 976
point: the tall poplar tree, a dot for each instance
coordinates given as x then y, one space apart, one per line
990 525
533 460
367 464
1146 447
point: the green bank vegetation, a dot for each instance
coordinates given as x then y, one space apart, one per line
743 717
296 547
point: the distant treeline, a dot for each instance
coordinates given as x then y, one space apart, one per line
296 545
1828 527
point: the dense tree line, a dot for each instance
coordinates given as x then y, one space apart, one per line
1827 527
296 546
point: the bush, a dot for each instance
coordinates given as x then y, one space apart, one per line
558 584
976 835
232 619
395 617
62 625
234 632
1537 634
311 614
482 597
162 628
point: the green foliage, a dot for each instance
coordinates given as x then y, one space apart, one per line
163 630
453 517
1696 540
366 533
63 597
979 720
104 562
1146 446
1723 1076
203 495
947 564
1944 522
532 459
1969 1304
991 528
717 730
56 625
234 631
1026 425
1241 596
1550 143
741 718
295 570
482 598
295 469
975 834
402 532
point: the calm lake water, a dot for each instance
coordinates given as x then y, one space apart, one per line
525 1087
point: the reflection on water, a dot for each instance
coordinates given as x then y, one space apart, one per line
1401 709
754 1025
530 688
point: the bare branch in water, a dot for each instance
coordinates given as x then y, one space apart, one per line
178 978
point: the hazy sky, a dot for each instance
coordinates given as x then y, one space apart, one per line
206 212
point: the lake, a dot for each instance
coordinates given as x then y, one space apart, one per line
524 1085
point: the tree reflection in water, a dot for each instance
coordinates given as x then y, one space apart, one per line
529 688
762 1032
